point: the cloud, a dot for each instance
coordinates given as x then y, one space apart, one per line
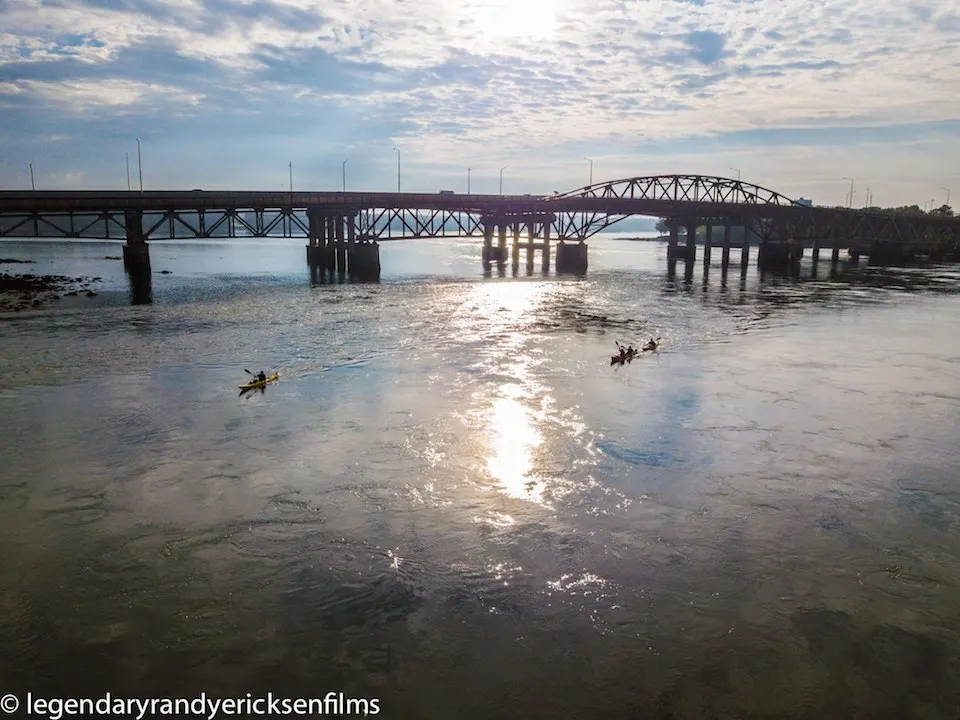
516 82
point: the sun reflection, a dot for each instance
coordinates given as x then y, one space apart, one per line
514 439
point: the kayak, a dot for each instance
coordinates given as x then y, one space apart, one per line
617 359
259 383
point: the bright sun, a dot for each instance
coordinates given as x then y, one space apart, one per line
499 19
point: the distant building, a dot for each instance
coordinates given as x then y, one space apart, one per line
804 202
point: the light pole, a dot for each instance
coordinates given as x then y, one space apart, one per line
850 202
32 184
343 169
128 170
398 168
140 164
738 173
591 169
866 200
501 178
468 181
948 195
290 167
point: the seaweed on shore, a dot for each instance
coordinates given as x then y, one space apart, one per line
20 292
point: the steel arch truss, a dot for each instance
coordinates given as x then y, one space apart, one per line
682 188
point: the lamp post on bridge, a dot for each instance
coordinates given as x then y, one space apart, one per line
948 195
140 164
468 181
591 169
343 170
127 155
501 178
850 201
737 170
398 168
290 165
32 184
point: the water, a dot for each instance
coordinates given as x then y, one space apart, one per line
452 503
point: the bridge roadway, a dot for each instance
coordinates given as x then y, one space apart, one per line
337 224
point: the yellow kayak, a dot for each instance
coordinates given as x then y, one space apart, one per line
259 383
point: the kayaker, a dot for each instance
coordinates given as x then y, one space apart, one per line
261 376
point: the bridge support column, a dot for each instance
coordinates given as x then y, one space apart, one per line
691 248
315 242
571 257
500 254
725 258
487 254
330 258
854 256
745 250
136 252
364 260
545 253
707 245
340 244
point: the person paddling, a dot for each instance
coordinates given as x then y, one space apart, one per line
261 376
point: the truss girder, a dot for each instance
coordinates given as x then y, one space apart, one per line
401 224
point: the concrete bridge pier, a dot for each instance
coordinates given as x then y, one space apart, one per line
364 260
745 251
545 251
571 257
779 255
340 245
707 247
136 259
136 252
487 252
725 257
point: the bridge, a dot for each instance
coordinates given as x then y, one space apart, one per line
344 229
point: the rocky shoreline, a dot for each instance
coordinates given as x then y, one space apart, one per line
24 292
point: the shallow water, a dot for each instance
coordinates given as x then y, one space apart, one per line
451 501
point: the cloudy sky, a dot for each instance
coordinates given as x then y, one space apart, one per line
796 94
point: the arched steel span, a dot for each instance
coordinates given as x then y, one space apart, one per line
681 188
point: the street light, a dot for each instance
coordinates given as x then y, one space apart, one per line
398 168
128 170
140 164
468 181
737 170
290 164
32 184
343 170
850 202
591 169
948 195
501 178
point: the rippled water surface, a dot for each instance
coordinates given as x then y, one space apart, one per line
452 502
